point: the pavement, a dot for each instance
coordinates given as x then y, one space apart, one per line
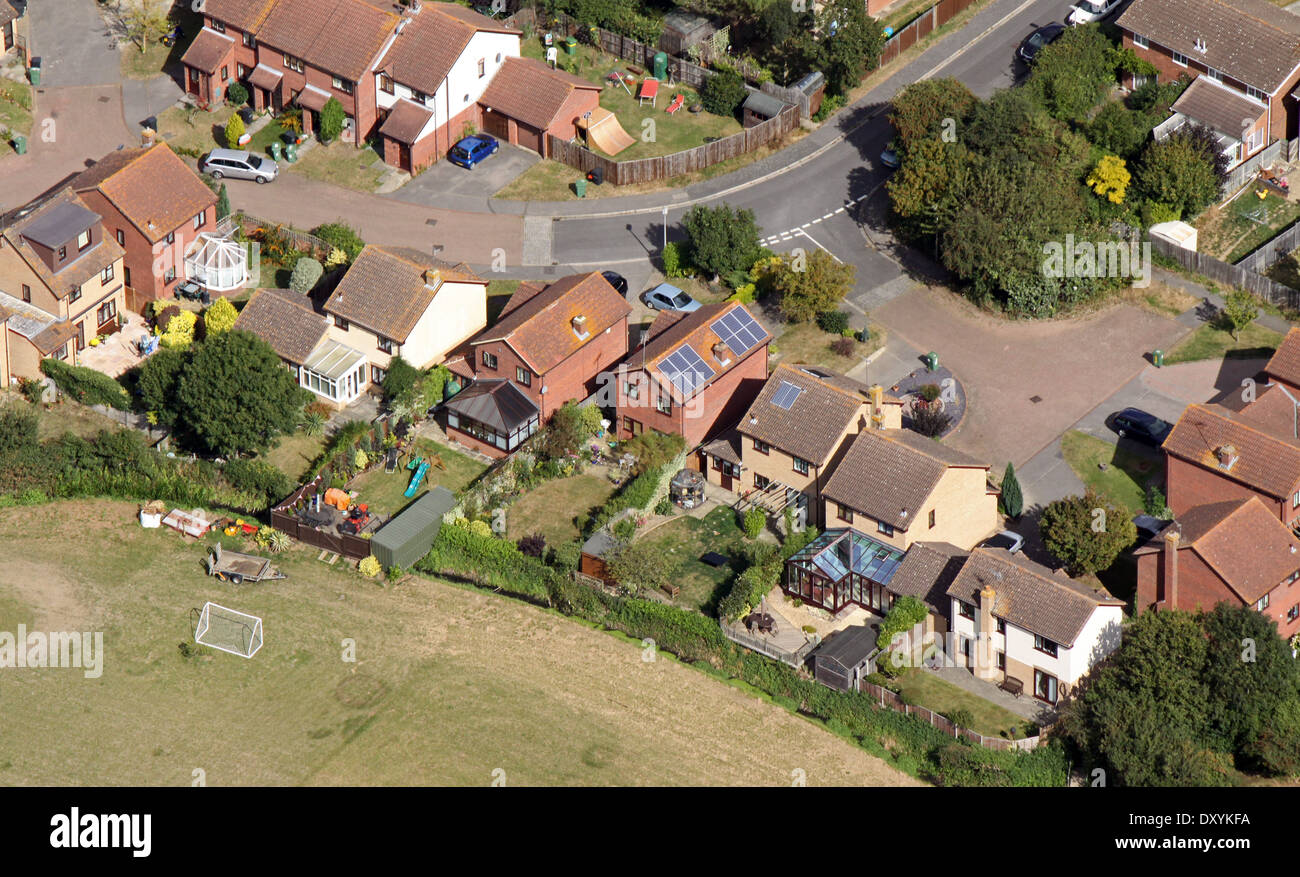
74 45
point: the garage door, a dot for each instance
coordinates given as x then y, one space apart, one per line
529 138
497 125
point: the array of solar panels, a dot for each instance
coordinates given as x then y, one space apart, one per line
686 370
864 556
738 330
785 395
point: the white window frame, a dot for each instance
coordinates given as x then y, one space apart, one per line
1141 42
1176 56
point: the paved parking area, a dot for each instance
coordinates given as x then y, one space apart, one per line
431 186
72 41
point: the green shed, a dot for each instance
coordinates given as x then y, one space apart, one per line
409 536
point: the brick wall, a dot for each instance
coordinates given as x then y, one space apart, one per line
1188 485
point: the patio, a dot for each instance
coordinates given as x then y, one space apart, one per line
1025 706
117 352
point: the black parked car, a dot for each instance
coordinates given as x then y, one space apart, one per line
1033 44
618 281
1140 426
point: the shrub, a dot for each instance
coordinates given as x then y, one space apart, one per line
1154 213
370 566
86 385
930 392
31 389
532 546
306 274
480 528
258 478
753 522
220 317
843 346
834 322
664 507
653 450
906 613
961 717
931 421
567 555
723 92
624 529
179 331
331 120
394 573
830 105
672 260
342 236
236 94
234 130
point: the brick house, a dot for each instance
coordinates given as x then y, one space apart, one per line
1234 552
552 344
155 206
60 283
1213 455
1284 365
783 449
1243 57
692 374
527 100
900 487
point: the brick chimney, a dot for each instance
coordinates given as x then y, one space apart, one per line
432 278
876 394
1169 564
580 325
721 353
1226 455
986 665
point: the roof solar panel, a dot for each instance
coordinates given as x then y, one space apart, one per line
785 395
738 330
686 370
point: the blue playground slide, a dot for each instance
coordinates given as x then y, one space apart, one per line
416 479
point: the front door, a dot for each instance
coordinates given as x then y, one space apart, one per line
8 34
81 336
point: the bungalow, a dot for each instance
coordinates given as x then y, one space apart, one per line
784 448
60 282
692 373
1234 552
1244 58
901 487
1014 619
155 206
551 343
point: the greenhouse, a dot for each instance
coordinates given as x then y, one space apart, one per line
840 567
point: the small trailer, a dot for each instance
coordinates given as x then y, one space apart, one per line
236 568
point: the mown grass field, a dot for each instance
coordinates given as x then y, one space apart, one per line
449 685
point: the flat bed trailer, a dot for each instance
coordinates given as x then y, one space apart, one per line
236 568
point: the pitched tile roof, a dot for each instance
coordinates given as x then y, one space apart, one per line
1276 411
812 426
530 91
1221 108
152 187
8 12
1284 365
1242 541
927 571
726 446
405 121
888 474
696 329
1029 595
77 271
240 14
1250 40
429 43
385 291
540 329
285 320
208 50
1264 462
338 36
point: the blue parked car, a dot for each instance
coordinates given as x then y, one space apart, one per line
473 149
666 297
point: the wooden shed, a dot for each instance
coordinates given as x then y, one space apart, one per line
409 536
594 551
760 107
813 86
847 656
684 29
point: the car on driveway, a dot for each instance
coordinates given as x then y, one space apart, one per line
238 164
889 158
1086 11
666 297
616 280
1012 542
1034 43
1141 426
473 149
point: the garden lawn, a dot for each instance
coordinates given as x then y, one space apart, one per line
341 164
157 58
1211 342
926 689
807 343
192 130
549 508
66 416
1126 476
384 492
1237 229
15 111
294 454
686 539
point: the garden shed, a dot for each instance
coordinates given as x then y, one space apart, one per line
409 535
594 552
760 107
841 661
684 29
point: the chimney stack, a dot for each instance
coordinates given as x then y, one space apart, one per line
1226 455
877 395
986 666
432 278
580 325
720 351
1169 561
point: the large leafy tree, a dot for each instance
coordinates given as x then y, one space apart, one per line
921 110
819 285
723 239
1177 172
1071 75
642 566
157 384
1249 673
851 42
1086 533
926 191
235 396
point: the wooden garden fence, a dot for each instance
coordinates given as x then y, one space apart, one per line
890 699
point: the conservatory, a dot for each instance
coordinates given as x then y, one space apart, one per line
217 262
842 567
334 371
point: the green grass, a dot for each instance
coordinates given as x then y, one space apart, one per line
685 539
549 508
1126 476
1228 232
193 129
294 454
341 164
384 492
262 140
928 690
66 416
1211 342
15 111
806 343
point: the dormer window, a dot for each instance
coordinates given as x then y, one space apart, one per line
580 326
83 240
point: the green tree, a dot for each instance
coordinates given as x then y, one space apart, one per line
753 522
157 384
820 284
1118 130
223 202
851 43
342 236
1011 500
1239 310
640 567
1110 178
1276 749
568 430
306 273
234 131
147 22
1086 533
220 317
723 92
1249 674
1071 75
400 381
722 238
235 395
236 94
920 111
926 191
331 120
1176 172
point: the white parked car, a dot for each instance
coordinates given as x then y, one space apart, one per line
1084 11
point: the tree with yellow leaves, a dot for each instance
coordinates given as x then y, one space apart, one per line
220 317
1110 178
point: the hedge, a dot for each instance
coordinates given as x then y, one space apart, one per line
86 385
637 494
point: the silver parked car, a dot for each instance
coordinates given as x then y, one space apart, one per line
239 164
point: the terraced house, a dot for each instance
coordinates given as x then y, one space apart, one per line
60 283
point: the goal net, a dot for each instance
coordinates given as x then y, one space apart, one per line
229 630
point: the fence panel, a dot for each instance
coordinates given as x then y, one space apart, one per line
1266 288
891 700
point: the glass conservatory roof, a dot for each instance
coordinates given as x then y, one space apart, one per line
837 552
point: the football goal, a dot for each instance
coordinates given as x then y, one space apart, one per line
229 630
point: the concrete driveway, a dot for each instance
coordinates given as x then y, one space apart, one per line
430 187
73 43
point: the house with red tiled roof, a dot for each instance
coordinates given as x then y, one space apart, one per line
693 374
1234 552
528 100
1284 365
156 207
552 344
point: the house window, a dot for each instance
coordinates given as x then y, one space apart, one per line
1045 645
665 404
218 26
340 322
385 345
931 521
1180 59
1262 603
61 353
1045 686
845 513
1001 625
171 237
884 529
121 238
1216 75
965 610
489 360
107 311
418 96
1293 613
1141 42
241 70
1295 500
801 465
169 275
294 64
250 41
632 426
761 482
631 390
1002 660
1258 95
482 68
106 276
63 253
523 376
377 374
27 293
76 293
343 85
765 448
225 72
726 467
83 240
385 83
200 219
